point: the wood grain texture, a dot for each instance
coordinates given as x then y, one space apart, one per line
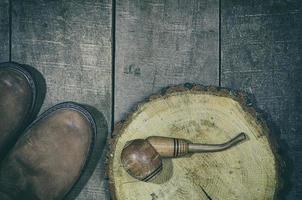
69 42
262 54
4 31
249 170
161 43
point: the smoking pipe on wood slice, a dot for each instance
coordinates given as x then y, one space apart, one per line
142 158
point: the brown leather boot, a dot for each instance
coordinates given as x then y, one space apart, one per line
18 102
48 160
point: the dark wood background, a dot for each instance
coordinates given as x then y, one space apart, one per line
112 54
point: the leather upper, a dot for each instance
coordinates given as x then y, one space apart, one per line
16 99
47 161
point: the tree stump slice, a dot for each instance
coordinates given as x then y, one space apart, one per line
248 170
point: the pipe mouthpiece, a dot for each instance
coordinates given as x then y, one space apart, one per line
200 148
239 138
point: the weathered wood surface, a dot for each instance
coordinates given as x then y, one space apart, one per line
69 42
262 54
161 43
4 31
248 170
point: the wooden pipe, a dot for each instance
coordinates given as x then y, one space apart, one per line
142 158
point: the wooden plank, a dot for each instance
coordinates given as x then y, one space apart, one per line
4 31
262 54
161 43
69 42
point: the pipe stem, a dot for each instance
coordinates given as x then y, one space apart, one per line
200 148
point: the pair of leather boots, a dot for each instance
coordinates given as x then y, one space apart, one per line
41 158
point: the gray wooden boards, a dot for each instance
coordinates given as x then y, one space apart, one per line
69 42
262 54
4 31
162 43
